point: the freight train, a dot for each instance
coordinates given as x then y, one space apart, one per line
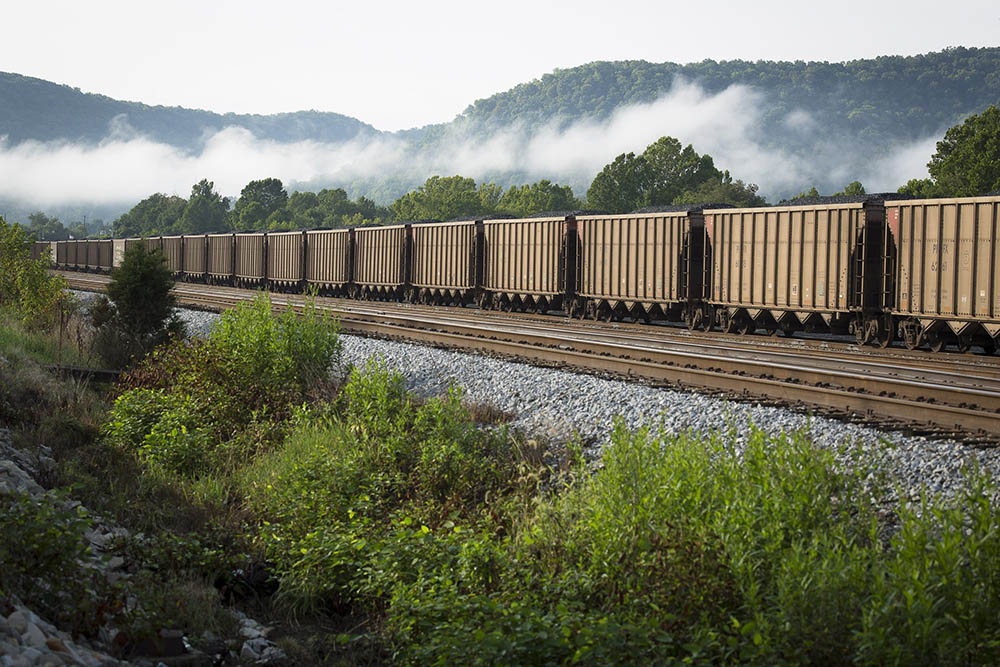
922 271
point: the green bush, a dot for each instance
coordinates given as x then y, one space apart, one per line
43 551
25 284
212 405
140 314
362 498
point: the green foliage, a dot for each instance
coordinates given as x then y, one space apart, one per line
621 186
935 601
141 312
722 190
163 429
206 210
440 198
851 189
154 215
25 284
363 498
259 200
213 404
44 228
44 551
673 170
538 197
666 174
922 188
967 161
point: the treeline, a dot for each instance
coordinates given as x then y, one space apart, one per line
881 100
49 228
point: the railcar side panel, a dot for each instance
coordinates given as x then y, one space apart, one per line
173 252
105 255
285 257
250 259
220 255
524 257
328 258
195 254
946 253
444 256
381 256
640 258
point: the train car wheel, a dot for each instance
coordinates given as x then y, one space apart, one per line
936 342
964 343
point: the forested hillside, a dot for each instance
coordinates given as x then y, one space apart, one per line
891 97
786 127
33 109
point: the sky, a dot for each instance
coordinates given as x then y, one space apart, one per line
404 64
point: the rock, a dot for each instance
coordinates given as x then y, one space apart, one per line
56 644
33 636
271 654
18 622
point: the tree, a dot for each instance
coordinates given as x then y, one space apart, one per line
259 200
659 176
922 188
154 215
26 286
206 210
44 228
621 186
853 188
440 199
139 312
967 161
673 170
723 190
538 197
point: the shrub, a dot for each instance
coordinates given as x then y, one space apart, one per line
140 314
25 284
369 496
44 551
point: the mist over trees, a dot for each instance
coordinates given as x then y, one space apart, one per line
967 163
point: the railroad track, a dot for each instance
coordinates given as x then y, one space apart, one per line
944 394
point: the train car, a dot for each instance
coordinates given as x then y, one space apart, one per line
286 260
105 255
647 265
381 261
62 254
250 264
195 256
39 249
74 255
221 258
173 252
329 260
525 263
942 265
813 267
446 263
